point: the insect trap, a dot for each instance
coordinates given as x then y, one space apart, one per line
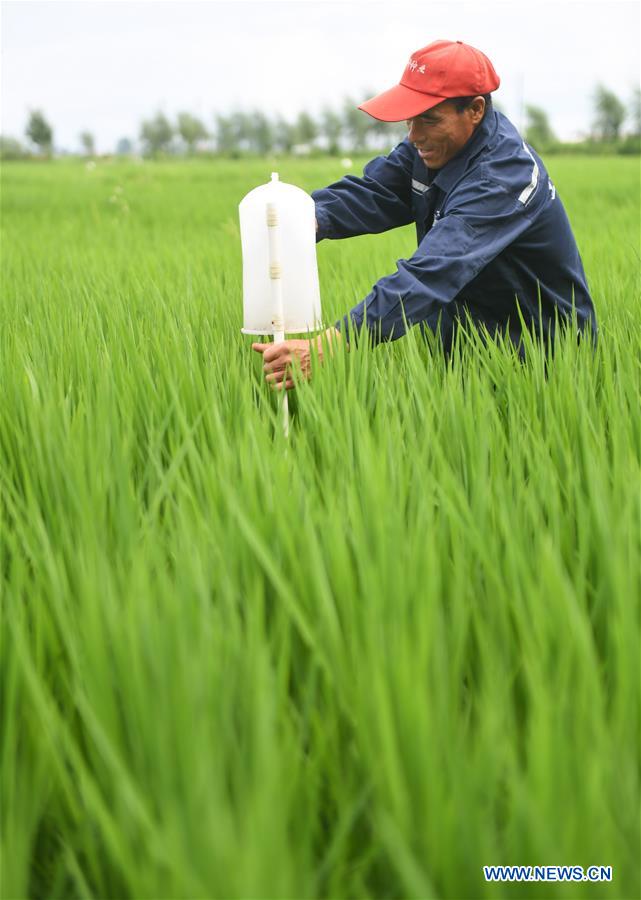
281 294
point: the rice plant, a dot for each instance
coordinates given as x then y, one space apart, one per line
362 662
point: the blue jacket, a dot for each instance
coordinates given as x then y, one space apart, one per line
491 230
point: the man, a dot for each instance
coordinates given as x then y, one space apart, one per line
495 246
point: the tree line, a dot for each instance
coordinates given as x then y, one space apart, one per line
332 131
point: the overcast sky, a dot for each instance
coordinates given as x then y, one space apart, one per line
104 66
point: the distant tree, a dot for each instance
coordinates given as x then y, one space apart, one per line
191 130
260 133
10 148
284 135
235 133
88 143
356 125
305 129
332 128
225 135
124 147
156 135
609 115
40 132
241 129
383 132
538 131
635 112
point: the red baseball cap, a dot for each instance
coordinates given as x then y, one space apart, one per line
434 73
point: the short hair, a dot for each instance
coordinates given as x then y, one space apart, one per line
463 103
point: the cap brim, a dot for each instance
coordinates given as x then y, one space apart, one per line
399 103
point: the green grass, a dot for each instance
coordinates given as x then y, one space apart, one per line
363 663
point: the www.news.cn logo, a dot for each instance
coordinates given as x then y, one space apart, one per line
547 873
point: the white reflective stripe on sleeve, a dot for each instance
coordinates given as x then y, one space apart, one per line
525 195
419 186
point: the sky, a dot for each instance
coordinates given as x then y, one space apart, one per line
106 66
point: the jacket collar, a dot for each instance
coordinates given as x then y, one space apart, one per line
447 177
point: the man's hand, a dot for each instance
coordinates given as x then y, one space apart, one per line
279 358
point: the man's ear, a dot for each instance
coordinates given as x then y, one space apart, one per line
478 109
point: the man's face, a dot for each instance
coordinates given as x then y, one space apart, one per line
441 132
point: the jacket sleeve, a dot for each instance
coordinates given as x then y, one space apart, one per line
481 218
376 202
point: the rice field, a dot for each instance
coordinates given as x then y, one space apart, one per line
362 662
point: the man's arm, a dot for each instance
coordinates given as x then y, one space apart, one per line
375 202
480 220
